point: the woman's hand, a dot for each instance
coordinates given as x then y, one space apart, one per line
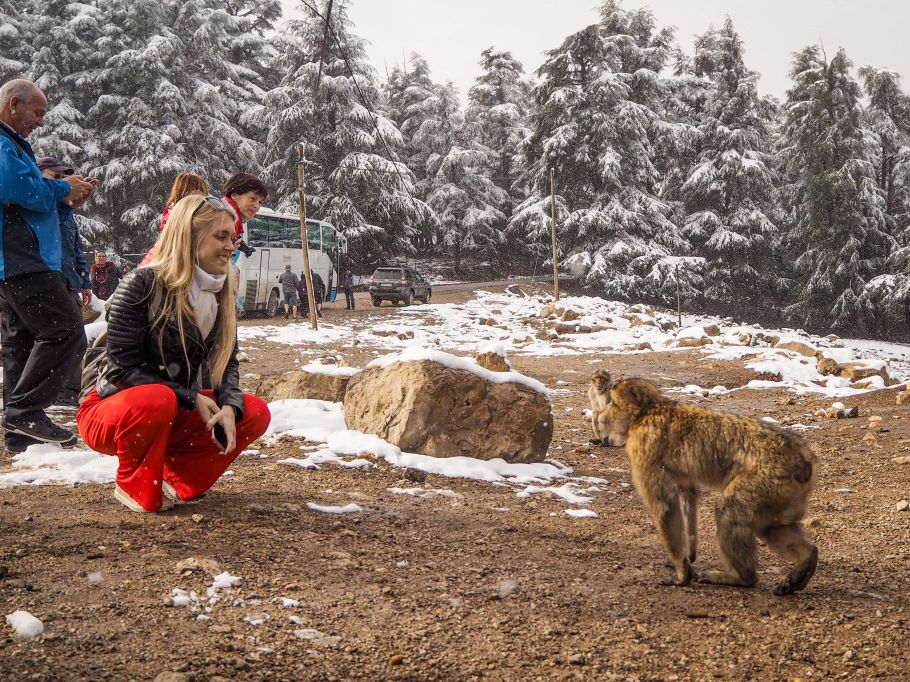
206 407
225 416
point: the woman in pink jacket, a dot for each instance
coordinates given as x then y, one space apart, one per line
184 185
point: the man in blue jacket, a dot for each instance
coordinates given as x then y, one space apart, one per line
39 320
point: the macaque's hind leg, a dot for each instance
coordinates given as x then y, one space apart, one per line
738 550
791 543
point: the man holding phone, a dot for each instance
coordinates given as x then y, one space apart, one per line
40 323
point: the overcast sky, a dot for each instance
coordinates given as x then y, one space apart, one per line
451 34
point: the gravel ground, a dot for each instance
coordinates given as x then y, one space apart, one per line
479 584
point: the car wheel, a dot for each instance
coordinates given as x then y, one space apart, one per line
377 301
271 308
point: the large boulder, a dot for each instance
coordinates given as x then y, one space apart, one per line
443 410
304 385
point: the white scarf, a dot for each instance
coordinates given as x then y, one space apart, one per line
202 299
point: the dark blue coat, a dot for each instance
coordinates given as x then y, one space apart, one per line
73 266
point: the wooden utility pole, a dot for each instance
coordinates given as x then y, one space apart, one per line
553 232
678 304
301 197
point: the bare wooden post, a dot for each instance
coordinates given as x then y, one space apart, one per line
553 232
678 304
301 197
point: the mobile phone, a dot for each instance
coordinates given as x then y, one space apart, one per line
218 433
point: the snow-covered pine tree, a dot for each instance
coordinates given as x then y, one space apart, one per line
498 105
354 177
834 209
598 113
140 143
229 74
16 38
729 190
456 186
411 99
64 52
888 120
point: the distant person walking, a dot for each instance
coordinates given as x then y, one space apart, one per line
348 285
74 269
168 323
289 283
184 185
40 323
104 275
302 294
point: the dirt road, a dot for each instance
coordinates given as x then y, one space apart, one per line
473 584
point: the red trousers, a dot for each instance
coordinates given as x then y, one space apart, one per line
157 440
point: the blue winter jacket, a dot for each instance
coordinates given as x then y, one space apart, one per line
30 238
73 265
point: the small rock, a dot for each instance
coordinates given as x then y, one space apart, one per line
870 438
171 676
197 518
901 460
415 475
851 412
903 505
577 659
874 419
396 659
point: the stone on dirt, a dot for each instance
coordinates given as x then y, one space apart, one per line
431 409
304 385
903 505
797 347
493 362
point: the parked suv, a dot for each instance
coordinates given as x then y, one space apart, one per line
399 284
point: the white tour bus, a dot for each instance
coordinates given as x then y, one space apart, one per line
276 238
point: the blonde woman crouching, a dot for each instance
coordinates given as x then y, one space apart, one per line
171 325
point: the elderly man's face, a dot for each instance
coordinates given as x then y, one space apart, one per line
28 113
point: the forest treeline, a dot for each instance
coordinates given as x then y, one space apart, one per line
667 159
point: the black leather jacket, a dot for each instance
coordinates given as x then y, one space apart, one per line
139 352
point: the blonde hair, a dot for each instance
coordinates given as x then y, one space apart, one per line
186 184
173 265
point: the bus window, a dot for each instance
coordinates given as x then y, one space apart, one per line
257 232
328 240
313 240
290 232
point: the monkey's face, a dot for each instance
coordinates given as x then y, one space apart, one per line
600 380
614 423
628 400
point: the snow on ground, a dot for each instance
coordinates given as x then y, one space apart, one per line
24 624
606 327
46 463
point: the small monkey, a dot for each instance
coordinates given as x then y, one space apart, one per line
764 473
599 396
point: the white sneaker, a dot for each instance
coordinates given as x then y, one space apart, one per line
168 491
124 498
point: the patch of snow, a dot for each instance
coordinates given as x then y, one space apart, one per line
24 624
346 509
